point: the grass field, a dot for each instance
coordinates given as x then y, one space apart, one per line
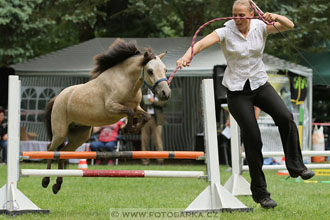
92 198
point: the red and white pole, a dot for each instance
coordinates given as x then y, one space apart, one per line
113 173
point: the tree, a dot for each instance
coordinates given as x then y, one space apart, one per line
124 19
36 27
19 29
311 30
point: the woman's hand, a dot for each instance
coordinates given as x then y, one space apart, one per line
270 17
281 23
201 45
183 62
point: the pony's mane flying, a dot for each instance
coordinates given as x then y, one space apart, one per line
118 52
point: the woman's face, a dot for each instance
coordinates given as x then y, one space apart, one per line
240 10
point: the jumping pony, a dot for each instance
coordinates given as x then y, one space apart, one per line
113 92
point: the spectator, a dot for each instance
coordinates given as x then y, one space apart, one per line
152 128
107 138
3 134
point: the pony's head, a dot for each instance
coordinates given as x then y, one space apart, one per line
153 69
154 76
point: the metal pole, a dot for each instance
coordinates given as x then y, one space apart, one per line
215 197
112 155
236 184
304 153
114 173
12 200
278 167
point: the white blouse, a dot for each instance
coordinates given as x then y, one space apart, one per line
243 55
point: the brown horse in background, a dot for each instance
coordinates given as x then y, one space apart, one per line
113 92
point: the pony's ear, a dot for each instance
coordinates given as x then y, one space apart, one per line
162 54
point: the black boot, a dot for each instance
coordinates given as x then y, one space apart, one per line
267 203
307 174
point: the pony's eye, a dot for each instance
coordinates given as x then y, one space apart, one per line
165 70
150 72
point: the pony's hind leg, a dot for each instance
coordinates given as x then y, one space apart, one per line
45 180
59 180
58 142
77 135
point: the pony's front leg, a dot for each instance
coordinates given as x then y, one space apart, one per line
116 108
129 126
143 115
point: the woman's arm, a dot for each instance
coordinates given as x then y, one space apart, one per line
281 22
201 45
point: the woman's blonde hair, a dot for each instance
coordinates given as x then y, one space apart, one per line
243 2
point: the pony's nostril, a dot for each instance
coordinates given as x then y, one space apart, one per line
164 94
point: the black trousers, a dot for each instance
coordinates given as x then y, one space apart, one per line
241 106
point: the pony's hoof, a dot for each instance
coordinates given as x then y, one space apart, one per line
56 188
45 182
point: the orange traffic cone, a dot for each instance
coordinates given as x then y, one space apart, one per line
82 165
283 172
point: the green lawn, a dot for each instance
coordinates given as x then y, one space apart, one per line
92 198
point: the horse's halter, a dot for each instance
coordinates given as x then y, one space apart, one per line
152 88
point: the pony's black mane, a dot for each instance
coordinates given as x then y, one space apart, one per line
118 52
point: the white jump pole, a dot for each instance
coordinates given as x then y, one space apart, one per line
12 200
114 173
215 197
236 184
304 153
279 167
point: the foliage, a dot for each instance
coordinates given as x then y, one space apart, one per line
312 27
321 104
19 28
37 27
74 22
122 19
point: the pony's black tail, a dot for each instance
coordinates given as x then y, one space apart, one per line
48 114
